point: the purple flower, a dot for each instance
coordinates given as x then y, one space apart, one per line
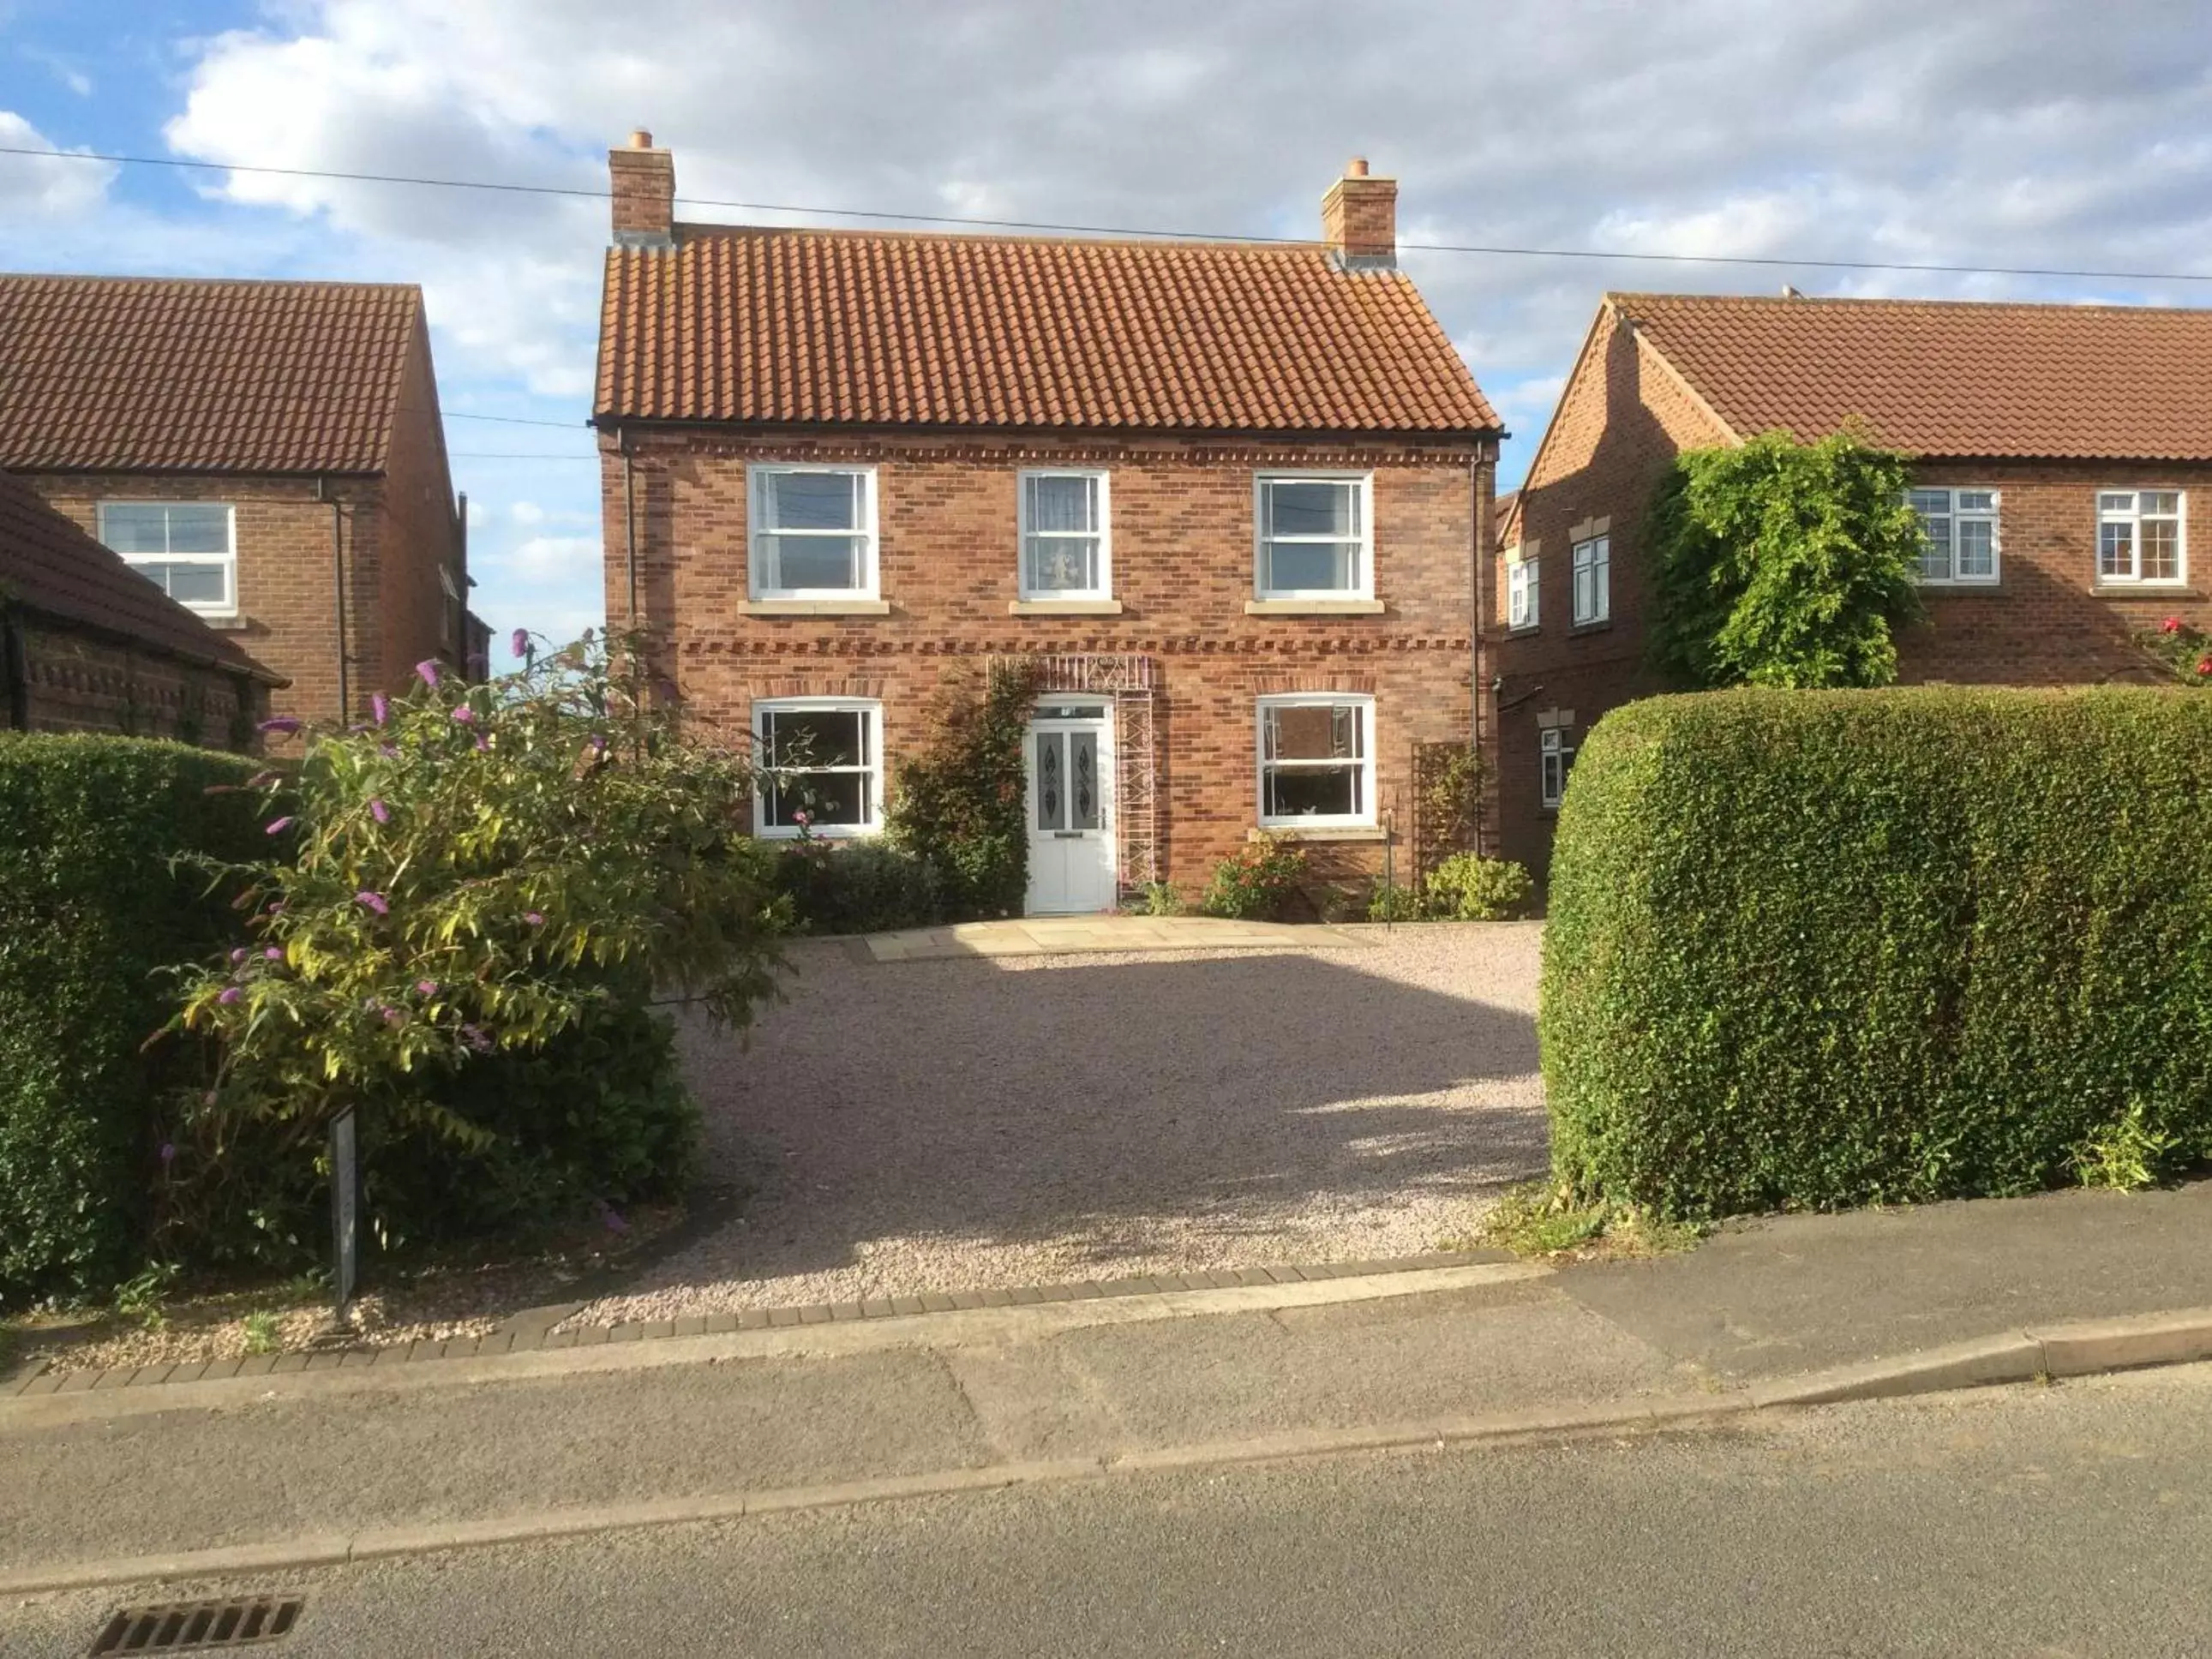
375 902
377 810
394 1017
275 907
380 706
536 919
484 743
465 715
427 668
521 642
389 751
169 1152
428 987
238 956
274 953
612 1218
278 826
587 636
475 1037
598 743
229 994
281 723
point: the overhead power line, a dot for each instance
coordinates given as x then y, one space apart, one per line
1482 249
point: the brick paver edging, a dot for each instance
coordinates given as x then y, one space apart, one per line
536 1335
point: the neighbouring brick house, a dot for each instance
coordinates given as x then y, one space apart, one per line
1230 498
2058 450
268 452
89 644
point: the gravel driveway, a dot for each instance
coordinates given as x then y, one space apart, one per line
972 1125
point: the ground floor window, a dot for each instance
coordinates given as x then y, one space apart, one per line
821 766
1558 760
1316 760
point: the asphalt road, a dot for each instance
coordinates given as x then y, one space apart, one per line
2071 1520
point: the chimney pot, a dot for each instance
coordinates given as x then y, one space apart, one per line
643 181
1359 219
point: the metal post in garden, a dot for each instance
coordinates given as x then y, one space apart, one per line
345 1223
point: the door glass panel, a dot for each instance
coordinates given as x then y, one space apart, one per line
1051 781
1083 784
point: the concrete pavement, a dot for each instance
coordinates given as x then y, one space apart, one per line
2030 1521
585 1438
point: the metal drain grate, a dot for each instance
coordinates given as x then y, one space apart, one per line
195 1626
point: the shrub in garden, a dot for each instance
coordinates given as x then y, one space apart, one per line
1467 887
1814 950
867 886
1780 564
1395 902
2183 651
89 909
961 802
476 901
1256 881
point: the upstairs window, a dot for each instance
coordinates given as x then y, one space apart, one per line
1063 529
1316 761
2139 536
189 549
1556 759
1313 536
1593 563
1959 534
821 758
813 531
1521 591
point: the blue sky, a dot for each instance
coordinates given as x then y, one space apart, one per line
2013 133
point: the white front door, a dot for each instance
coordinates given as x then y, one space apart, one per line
1069 754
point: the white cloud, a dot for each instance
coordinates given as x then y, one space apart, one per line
47 187
549 559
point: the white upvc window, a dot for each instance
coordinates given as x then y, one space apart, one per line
813 531
189 549
1593 566
2141 536
821 766
1521 590
1316 760
1314 536
1556 759
1065 549
1959 535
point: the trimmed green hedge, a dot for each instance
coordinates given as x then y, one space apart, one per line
89 909
1811 949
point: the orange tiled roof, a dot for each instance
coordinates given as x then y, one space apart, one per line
1946 377
149 373
50 565
812 327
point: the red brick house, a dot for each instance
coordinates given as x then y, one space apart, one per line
270 453
2059 451
1228 495
87 644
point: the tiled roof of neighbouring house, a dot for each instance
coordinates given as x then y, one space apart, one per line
49 565
811 327
1946 377
155 373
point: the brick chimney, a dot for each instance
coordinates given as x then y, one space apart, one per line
1359 219
644 180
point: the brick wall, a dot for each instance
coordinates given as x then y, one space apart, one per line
393 535
81 682
417 533
1181 541
1621 420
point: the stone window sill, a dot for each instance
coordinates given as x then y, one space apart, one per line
814 608
1064 608
1323 832
1598 627
1525 631
234 623
2146 591
1313 607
